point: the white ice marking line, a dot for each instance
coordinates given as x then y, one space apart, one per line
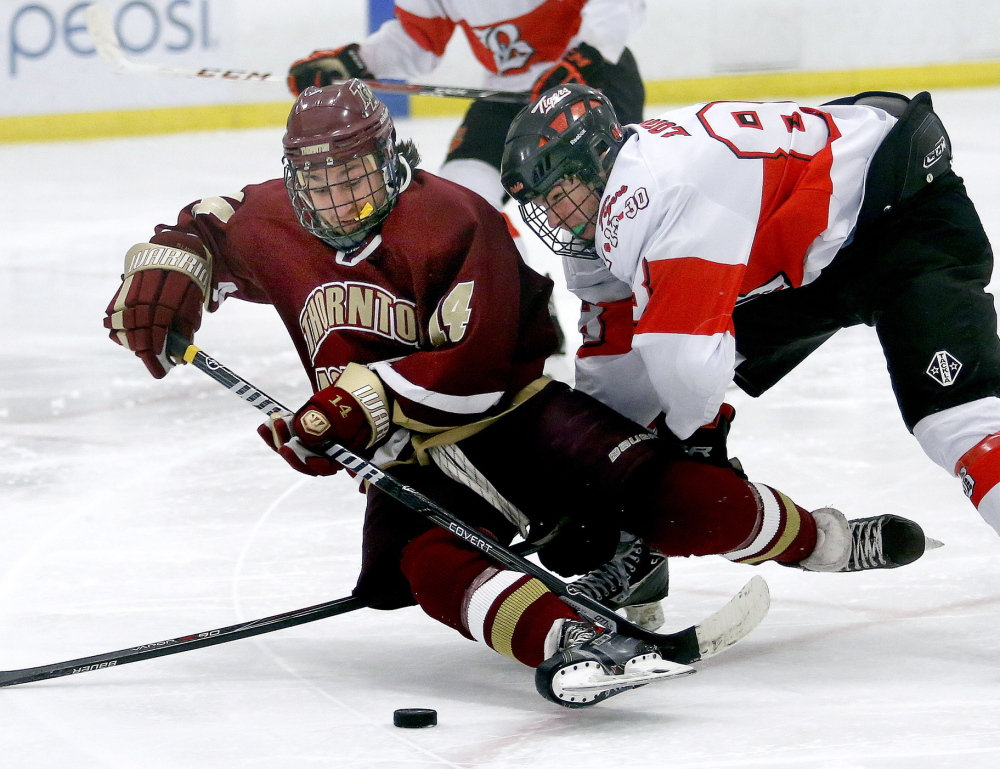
238 568
241 616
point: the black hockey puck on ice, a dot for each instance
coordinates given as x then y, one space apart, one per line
414 718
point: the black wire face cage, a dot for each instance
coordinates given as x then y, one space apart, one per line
559 236
342 201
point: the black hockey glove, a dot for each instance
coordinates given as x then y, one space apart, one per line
708 444
583 64
324 67
576 545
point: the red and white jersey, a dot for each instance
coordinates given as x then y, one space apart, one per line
514 40
438 304
710 205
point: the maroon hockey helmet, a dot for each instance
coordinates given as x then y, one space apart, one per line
341 166
570 132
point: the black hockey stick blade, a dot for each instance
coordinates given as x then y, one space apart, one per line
183 643
743 613
101 29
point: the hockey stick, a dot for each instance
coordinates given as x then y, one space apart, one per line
183 643
102 34
714 634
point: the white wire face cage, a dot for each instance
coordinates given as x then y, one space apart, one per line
342 201
559 236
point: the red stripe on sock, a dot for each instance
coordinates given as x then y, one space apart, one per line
979 468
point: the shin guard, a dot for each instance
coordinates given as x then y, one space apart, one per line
694 508
510 612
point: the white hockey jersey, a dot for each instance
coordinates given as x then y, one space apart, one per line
514 40
707 206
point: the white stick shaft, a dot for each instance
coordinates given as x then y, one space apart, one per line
101 27
102 32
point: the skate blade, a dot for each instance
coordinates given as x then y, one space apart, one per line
932 544
591 678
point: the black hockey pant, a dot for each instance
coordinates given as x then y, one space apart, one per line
918 275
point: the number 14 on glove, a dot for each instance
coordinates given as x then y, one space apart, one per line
353 412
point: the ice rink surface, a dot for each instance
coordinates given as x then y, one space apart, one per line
134 510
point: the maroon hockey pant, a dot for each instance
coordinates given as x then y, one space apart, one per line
561 454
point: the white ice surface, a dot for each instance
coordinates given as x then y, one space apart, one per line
133 510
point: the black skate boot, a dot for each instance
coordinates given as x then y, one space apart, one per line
886 542
880 542
636 580
594 664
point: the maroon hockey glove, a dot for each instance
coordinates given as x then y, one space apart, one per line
278 435
583 64
352 412
163 288
323 67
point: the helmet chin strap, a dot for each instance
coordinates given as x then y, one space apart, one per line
409 174
369 209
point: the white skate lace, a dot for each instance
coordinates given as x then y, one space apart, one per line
612 580
866 549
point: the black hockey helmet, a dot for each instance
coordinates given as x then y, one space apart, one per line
342 169
570 131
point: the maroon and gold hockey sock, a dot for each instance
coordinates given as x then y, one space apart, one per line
785 532
513 614
508 611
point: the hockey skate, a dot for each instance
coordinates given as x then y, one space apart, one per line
593 664
635 580
880 542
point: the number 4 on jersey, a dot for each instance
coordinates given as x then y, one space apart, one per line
454 312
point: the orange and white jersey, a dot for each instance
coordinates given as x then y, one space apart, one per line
718 203
514 40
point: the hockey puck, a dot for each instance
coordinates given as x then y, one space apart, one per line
414 718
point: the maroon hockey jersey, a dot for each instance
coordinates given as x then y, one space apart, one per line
438 303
